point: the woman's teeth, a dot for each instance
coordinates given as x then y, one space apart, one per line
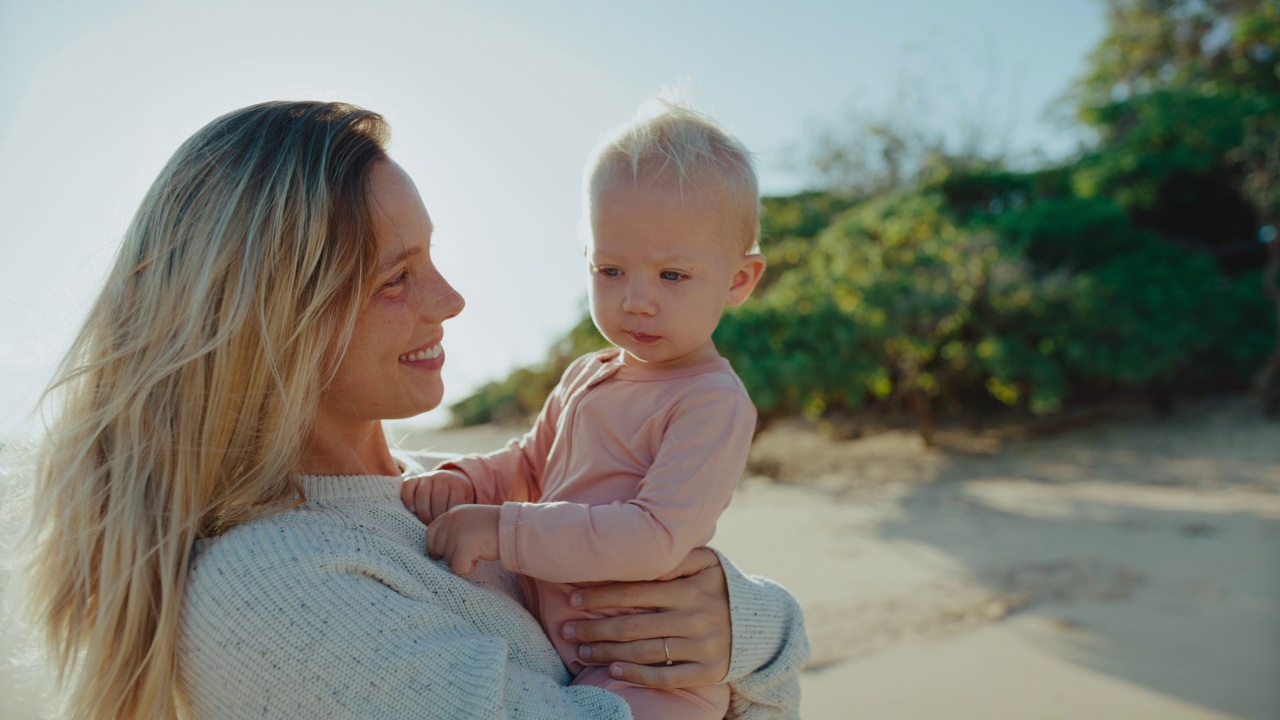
427 354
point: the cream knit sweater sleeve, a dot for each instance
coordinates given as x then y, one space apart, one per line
770 648
333 610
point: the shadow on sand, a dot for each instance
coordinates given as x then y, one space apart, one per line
1171 588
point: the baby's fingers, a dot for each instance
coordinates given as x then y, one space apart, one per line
408 492
436 538
441 499
462 562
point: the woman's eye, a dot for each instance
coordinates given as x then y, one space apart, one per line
398 279
672 276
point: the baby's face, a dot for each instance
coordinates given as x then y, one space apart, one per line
663 269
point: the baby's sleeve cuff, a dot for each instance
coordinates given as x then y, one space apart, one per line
508 519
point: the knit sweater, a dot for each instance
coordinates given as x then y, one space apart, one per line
332 609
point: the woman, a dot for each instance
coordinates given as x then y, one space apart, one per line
217 529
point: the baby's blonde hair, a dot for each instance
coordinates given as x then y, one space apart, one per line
184 401
680 144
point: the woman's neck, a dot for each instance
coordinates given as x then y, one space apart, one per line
348 449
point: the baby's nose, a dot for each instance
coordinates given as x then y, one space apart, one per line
638 300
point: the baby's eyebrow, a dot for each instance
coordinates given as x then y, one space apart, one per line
680 260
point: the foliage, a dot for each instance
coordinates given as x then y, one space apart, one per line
903 302
788 226
873 154
916 305
930 283
805 359
1185 89
906 306
1071 233
1185 95
521 394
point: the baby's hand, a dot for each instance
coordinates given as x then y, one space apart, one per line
429 496
464 536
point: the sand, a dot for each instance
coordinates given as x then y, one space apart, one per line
1127 568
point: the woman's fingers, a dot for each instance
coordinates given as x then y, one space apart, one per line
696 561
645 662
662 676
691 613
640 652
696 580
632 594
708 644
625 628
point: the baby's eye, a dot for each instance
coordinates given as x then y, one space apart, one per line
672 276
610 271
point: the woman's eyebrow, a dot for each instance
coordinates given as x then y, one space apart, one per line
399 258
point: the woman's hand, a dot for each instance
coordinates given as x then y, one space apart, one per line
691 615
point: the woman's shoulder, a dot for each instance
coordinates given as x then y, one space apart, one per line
416 462
326 603
287 551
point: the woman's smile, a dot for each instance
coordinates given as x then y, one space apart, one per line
427 357
407 311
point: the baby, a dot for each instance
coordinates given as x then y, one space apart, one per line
637 451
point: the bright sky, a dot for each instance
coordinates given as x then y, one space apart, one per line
494 105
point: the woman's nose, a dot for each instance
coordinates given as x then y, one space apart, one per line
441 301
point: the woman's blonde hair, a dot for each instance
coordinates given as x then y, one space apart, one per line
181 408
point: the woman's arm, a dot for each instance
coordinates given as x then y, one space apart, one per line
720 626
770 648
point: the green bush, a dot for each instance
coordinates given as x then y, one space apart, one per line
1071 232
805 360
985 285
899 304
907 308
521 394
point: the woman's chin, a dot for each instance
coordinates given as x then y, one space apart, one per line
422 400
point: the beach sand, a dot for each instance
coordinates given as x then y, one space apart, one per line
1125 568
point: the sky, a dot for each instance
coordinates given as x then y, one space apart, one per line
494 105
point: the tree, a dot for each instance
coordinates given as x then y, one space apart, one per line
1185 97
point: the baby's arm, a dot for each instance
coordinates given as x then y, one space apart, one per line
702 457
513 473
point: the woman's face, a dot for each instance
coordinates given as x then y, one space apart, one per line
392 368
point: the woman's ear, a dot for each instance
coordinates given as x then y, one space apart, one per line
745 279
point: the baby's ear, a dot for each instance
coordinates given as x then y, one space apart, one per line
745 279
